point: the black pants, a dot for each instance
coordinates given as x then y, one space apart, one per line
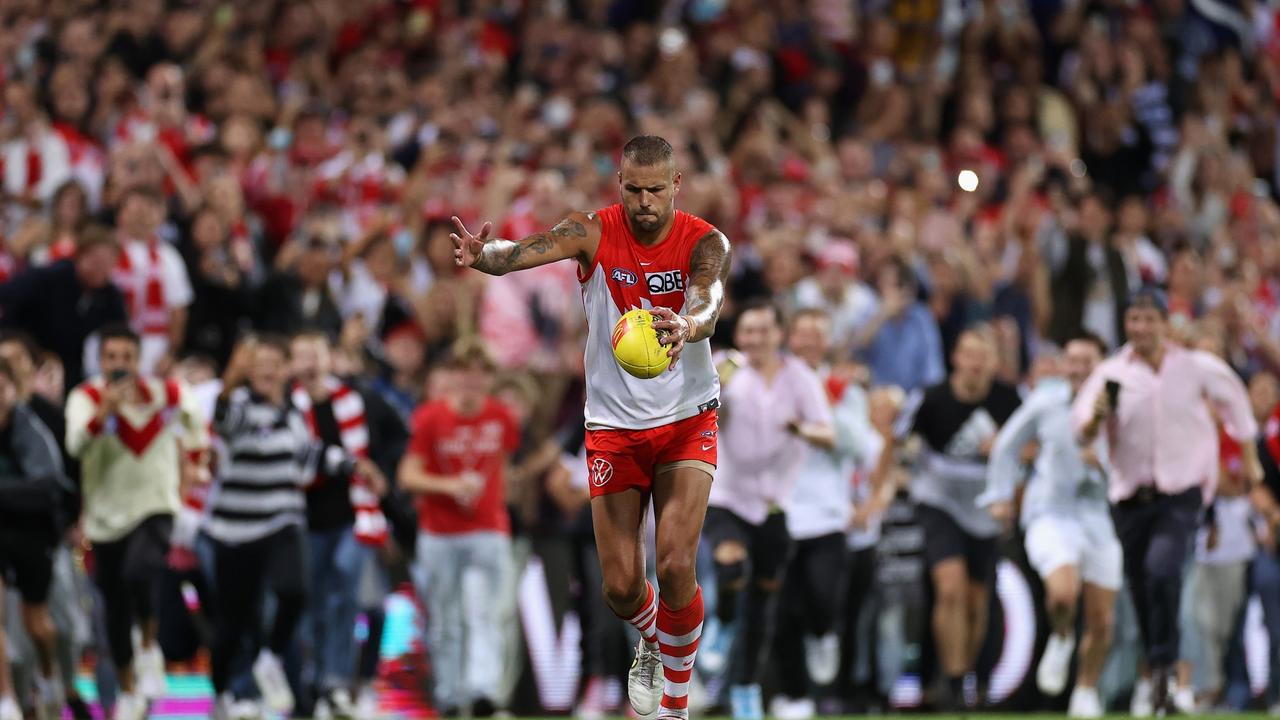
127 572
605 650
768 546
243 575
859 589
1155 532
810 601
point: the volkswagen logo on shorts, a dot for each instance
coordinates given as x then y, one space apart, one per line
624 277
601 471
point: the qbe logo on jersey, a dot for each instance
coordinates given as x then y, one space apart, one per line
665 282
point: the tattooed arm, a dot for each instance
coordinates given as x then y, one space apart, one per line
708 273
576 236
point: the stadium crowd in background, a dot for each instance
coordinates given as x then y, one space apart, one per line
938 196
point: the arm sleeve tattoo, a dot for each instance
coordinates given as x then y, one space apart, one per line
708 273
560 242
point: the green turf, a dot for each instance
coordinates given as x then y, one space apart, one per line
997 716
1005 716
973 716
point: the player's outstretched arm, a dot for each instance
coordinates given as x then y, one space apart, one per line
708 273
576 236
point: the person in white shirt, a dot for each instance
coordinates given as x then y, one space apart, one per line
153 278
1069 537
836 288
819 512
1219 580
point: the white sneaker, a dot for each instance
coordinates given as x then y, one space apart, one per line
247 710
1085 703
822 655
50 698
341 704
130 707
1184 700
148 667
785 708
227 707
1055 664
268 673
9 708
673 714
1274 710
1142 705
367 703
222 706
644 680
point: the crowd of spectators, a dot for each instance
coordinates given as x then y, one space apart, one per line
209 169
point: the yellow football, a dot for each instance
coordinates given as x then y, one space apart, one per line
636 347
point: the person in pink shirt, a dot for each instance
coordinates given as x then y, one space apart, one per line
1153 401
775 409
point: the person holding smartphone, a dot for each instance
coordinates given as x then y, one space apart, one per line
136 438
1152 399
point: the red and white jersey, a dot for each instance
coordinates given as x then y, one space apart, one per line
154 281
88 162
627 275
36 169
139 126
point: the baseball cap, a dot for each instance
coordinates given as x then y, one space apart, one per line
839 253
1150 296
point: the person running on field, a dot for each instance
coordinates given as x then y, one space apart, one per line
649 439
133 436
1066 522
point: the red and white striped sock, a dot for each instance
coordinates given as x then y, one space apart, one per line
678 633
645 622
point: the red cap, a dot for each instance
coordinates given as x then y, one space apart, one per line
839 252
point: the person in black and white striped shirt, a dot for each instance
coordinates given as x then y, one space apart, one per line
257 517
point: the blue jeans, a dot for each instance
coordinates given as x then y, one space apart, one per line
463 576
329 628
1266 583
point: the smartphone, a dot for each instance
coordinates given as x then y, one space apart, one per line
116 376
1113 394
404 243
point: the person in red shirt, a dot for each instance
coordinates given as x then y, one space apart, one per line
457 463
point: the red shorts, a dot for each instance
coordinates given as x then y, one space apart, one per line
619 460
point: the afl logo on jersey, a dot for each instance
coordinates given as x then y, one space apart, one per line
626 278
665 282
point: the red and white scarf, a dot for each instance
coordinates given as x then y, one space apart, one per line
143 288
1271 434
36 170
348 411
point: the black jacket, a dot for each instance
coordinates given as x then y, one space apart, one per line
33 487
279 308
1071 288
51 306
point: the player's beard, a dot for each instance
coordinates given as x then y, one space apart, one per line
648 223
